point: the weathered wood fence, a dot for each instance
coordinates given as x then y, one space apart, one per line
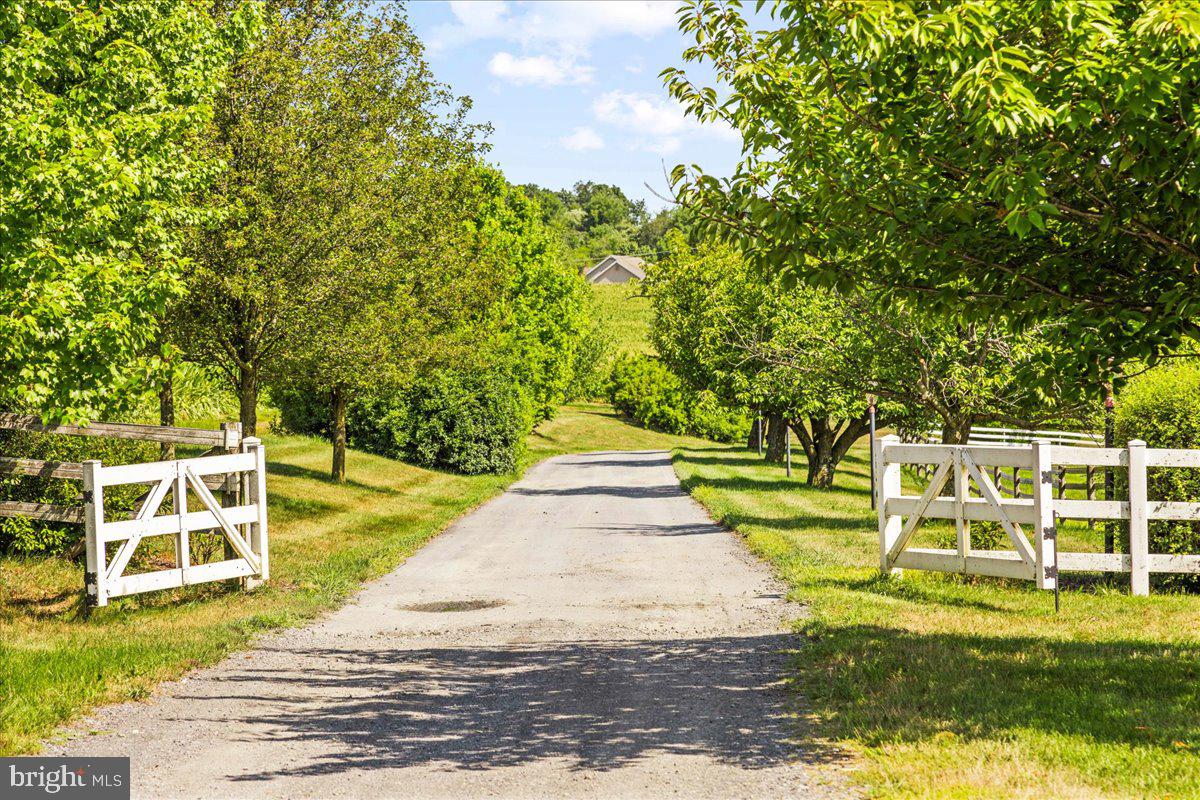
969 469
234 466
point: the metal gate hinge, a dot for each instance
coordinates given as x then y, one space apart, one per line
1051 572
88 495
1049 533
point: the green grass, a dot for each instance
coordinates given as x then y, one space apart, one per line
626 314
325 540
953 687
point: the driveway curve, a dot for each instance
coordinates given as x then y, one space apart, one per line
589 633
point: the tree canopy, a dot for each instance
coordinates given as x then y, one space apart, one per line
104 106
342 152
1032 160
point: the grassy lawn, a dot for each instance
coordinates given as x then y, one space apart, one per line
626 314
325 540
954 687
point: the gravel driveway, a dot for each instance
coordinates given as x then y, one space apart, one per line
589 633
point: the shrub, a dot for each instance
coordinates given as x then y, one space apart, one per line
471 423
643 388
467 422
380 424
985 535
303 410
1162 407
588 374
714 420
27 536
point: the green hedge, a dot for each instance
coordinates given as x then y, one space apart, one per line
469 422
1162 407
643 388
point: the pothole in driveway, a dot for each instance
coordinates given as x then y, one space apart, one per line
440 606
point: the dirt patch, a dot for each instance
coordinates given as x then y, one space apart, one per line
441 606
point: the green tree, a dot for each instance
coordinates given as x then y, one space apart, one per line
540 314
719 325
1032 160
808 357
103 108
331 127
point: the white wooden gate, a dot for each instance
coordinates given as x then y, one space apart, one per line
1030 523
243 526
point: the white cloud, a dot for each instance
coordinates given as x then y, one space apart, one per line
582 139
540 70
656 123
556 27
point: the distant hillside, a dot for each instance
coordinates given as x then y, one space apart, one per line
626 315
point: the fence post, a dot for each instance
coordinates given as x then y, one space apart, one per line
962 528
183 547
231 494
93 520
787 442
887 486
1045 532
1139 533
258 496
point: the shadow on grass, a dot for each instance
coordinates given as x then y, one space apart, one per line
804 522
284 508
692 456
778 483
881 685
296 471
913 592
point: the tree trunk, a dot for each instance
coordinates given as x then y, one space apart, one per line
829 445
752 438
957 430
822 463
776 438
338 427
248 400
166 415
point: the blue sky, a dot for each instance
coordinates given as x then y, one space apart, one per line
572 89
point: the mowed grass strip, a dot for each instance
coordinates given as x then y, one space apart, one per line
326 539
625 312
957 687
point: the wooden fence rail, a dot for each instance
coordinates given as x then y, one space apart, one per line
969 469
227 439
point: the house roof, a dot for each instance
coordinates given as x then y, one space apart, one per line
631 264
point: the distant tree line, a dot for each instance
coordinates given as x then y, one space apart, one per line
594 220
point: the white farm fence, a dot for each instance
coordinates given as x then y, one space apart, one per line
1011 481
243 526
1030 523
232 466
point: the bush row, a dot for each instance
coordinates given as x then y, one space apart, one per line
644 389
467 422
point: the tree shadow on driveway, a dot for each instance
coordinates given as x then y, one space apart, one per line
598 705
